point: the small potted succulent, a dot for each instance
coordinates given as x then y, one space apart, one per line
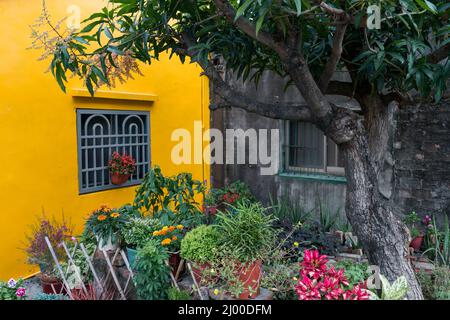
39 254
105 223
136 233
416 236
121 167
247 236
200 246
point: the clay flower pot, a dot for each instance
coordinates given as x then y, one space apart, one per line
416 243
51 285
119 179
250 276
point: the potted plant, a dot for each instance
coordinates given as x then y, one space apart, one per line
210 205
170 237
105 223
417 237
121 167
39 254
247 236
200 246
136 233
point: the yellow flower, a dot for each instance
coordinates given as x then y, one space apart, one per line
294 278
180 227
155 233
166 242
295 244
216 291
174 238
101 217
115 215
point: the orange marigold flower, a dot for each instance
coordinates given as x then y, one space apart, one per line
174 238
156 233
101 217
171 228
166 242
115 215
180 227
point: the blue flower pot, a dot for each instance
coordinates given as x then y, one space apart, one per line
131 256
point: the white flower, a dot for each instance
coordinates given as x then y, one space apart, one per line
12 283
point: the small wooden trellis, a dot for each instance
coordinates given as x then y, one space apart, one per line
98 281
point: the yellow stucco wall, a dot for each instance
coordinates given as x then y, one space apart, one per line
38 137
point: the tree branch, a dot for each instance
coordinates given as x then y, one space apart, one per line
226 9
439 54
336 50
230 97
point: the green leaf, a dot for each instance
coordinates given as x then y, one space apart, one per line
298 6
240 11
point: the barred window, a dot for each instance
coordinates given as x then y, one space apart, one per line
308 150
100 133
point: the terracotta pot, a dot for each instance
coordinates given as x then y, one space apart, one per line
119 179
197 270
250 276
80 291
416 243
48 284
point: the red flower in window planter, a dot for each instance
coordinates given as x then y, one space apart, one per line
121 167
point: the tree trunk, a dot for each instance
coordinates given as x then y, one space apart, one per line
383 236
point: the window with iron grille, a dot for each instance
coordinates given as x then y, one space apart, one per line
308 150
100 133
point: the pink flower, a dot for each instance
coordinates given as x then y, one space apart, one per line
357 293
21 292
307 289
313 263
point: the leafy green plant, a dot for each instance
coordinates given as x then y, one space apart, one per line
171 200
394 291
285 210
355 272
441 249
246 233
176 294
80 268
200 244
435 284
327 219
138 230
152 278
106 222
410 220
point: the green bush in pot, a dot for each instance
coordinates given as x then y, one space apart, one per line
200 245
246 237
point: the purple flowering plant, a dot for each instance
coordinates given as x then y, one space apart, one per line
37 250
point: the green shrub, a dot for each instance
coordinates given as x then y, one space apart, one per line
200 244
138 231
354 272
246 234
435 285
175 294
152 278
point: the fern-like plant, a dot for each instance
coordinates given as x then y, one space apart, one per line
152 278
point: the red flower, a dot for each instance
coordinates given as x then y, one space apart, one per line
357 293
313 263
307 289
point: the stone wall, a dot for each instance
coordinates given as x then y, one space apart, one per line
422 160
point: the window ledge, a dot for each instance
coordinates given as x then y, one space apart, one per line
115 95
314 177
